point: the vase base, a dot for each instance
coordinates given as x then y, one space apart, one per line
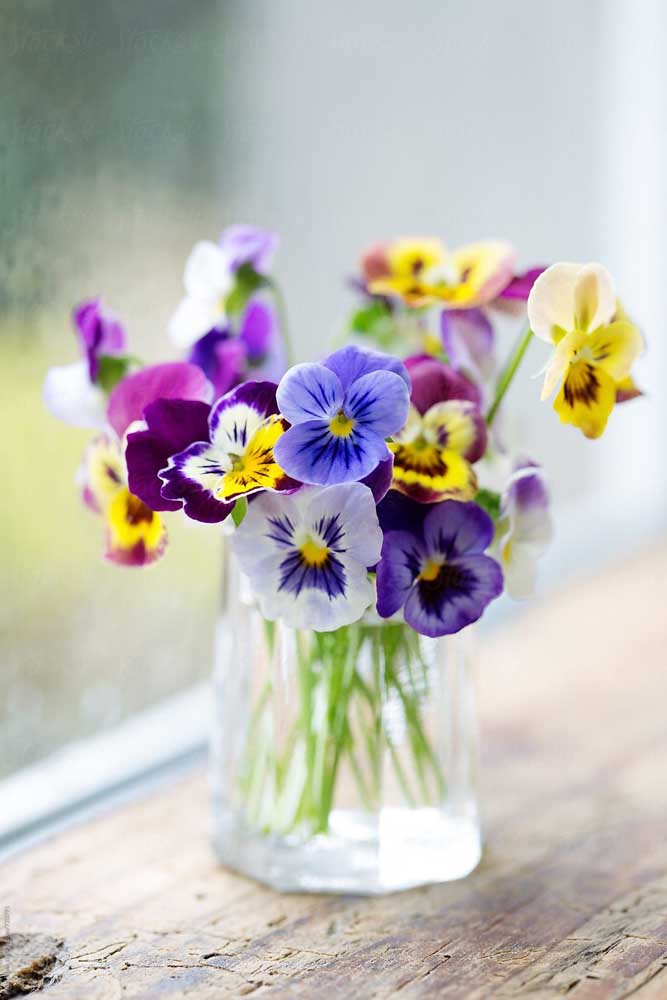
394 850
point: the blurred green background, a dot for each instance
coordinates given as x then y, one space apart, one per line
112 117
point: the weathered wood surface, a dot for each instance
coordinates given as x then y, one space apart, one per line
571 897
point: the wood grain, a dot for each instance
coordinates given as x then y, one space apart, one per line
570 899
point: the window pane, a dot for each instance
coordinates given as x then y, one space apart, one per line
115 117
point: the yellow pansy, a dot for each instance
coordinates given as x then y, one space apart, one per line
136 535
574 307
422 272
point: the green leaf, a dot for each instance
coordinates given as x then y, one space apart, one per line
368 317
113 368
489 501
247 282
239 510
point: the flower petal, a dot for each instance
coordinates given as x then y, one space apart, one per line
468 339
453 529
101 474
457 425
521 284
551 302
402 555
594 297
428 473
485 268
379 480
256 468
378 401
257 329
243 244
309 391
100 332
69 395
435 382
559 363
192 319
237 415
615 348
208 274
136 536
310 453
192 477
173 425
351 363
222 358
174 380
586 398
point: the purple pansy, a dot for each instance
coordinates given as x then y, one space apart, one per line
341 411
435 382
468 340
256 352
100 332
233 457
171 426
248 245
521 284
173 380
434 567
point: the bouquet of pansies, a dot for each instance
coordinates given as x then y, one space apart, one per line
372 486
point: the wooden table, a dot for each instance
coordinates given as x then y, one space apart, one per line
570 899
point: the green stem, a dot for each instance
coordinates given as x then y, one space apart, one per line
508 373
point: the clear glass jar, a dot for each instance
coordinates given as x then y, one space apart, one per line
342 761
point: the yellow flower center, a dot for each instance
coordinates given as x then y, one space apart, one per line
341 425
430 570
313 553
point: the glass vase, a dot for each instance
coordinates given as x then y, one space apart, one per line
342 761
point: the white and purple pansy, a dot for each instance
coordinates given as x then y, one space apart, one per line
307 555
525 529
71 392
433 564
234 459
341 412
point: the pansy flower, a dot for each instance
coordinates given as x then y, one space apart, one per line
468 339
574 307
136 535
235 459
341 412
243 244
433 564
307 555
209 277
257 351
422 272
524 529
72 392
443 436
171 380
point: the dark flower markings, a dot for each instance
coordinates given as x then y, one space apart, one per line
451 581
326 443
112 474
296 574
581 385
320 399
136 511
